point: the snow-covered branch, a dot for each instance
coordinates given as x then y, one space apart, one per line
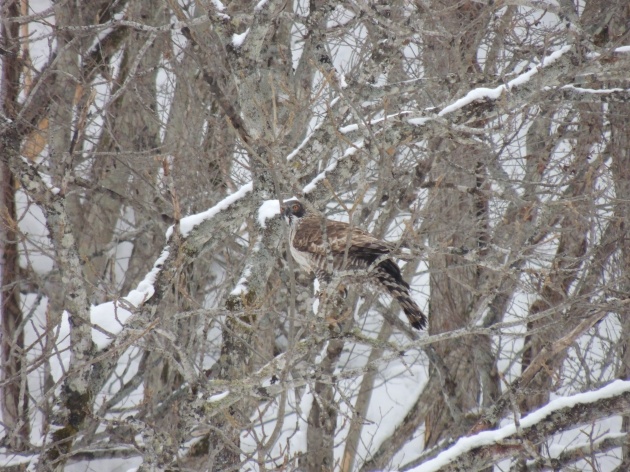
489 447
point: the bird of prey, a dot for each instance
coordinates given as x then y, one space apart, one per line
349 249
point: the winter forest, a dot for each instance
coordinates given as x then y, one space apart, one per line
153 318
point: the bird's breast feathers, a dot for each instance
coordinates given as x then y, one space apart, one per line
303 258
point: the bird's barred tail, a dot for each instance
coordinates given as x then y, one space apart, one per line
416 318
399 289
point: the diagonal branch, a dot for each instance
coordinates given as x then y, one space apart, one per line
488 447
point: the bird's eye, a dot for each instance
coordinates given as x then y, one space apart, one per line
295 207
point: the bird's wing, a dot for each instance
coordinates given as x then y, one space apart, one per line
341 237
308 236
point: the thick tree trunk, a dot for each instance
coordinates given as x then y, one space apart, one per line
619 116
15 396
453 281
567 263
322 420
461 222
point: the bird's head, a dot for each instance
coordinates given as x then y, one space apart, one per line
293 210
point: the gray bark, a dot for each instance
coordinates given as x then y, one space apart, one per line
620 149
15 394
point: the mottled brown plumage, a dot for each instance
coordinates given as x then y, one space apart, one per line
349 249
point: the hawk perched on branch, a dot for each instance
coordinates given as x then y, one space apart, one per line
348 249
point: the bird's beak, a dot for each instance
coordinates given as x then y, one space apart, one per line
284 210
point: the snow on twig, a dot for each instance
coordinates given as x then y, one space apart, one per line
593 91
294 153
332 166
260 5
187 224
483 93
267 210
239 39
